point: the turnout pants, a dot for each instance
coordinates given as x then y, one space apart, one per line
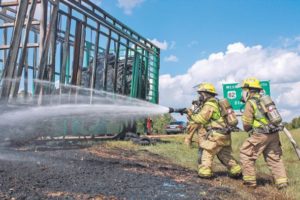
217 145
269 146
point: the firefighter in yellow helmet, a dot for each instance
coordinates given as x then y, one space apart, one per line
263 140
218 139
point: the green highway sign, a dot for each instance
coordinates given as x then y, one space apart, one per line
233 93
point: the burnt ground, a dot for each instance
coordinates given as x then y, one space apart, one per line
103 173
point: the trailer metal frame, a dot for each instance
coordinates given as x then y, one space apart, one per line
61 40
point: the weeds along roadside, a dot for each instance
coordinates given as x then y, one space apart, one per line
177 153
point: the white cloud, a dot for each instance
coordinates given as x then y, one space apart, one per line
171 58
162 45
129 5
280 66
290 95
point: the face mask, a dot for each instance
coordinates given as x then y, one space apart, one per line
245 94
201 97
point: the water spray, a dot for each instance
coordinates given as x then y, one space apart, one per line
36 116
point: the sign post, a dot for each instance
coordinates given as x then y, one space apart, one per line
233 93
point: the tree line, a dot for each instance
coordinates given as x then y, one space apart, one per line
295 123
160 122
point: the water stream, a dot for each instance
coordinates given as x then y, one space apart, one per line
94 112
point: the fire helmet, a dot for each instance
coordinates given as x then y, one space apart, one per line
251 83
207 87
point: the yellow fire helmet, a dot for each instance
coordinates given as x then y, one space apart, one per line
251 83
207 87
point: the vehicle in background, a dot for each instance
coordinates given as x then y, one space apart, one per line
176 127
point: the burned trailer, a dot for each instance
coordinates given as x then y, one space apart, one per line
48 45
123 77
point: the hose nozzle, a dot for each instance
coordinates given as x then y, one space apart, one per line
171 110
178 110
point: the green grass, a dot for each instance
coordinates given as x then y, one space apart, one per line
291 161
175 151
178 153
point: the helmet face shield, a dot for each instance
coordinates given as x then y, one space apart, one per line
245 95
201 96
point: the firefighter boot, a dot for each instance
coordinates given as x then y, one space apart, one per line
282 186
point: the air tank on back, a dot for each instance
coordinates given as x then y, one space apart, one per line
270 109
228 113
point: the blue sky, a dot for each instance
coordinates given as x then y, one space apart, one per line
220 41
201 27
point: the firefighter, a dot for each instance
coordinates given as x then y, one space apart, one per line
148 125
263 138
218 140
